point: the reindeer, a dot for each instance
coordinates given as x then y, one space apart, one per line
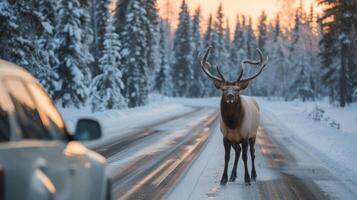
240 116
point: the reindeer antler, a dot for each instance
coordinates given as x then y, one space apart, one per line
205 65
260 62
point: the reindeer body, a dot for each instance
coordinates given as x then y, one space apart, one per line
240 117
241 120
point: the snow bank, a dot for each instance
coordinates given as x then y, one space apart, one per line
346 117
336 148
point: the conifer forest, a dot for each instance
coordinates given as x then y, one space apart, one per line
93 53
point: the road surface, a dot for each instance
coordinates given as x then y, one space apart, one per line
182 158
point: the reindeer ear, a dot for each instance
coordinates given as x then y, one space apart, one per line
218 84
243 84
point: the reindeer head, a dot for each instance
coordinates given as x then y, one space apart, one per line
231 89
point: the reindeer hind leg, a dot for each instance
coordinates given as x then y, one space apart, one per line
252 156
245 159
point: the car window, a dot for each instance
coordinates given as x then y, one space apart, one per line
5 108
48 112
26 112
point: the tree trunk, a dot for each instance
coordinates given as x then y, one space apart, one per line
343 78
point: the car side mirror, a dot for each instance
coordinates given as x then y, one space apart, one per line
87 129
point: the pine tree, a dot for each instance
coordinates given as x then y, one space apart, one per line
236 44
73 55
27 38
238 50
152 32
337 40
304 68
295 32
120 14
219 52
228 47
207 39
8 24
251 40
47 44
259 86
135 51
250 46
21 28
208 90
262 31
107 86
182 53
353 62
278 59
99 17
87 38
196 85
163 80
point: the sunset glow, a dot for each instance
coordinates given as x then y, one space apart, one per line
231 8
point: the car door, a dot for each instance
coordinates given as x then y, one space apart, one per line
8 166
41 144
80 167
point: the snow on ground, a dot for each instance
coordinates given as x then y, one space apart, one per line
336 148
116 123
313 144
346 117
202 180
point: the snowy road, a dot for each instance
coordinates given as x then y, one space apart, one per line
286 170
182 158
145 164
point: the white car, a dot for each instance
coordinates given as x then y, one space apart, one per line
39 159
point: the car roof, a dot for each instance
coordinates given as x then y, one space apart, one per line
10 69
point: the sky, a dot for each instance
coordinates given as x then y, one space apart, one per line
230 7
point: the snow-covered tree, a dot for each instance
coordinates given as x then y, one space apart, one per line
181 75
135 51
227 46
99 16
238 50
152 32
27 38
251 40
21 28
107 86
278 61
262 31
208 90
338 54
46 45
87 38
219 52
259 85
196 85
163 83
303 58
73 55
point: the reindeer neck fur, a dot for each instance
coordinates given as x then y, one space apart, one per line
232 113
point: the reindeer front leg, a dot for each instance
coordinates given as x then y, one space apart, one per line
245 160
227 148
237 150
